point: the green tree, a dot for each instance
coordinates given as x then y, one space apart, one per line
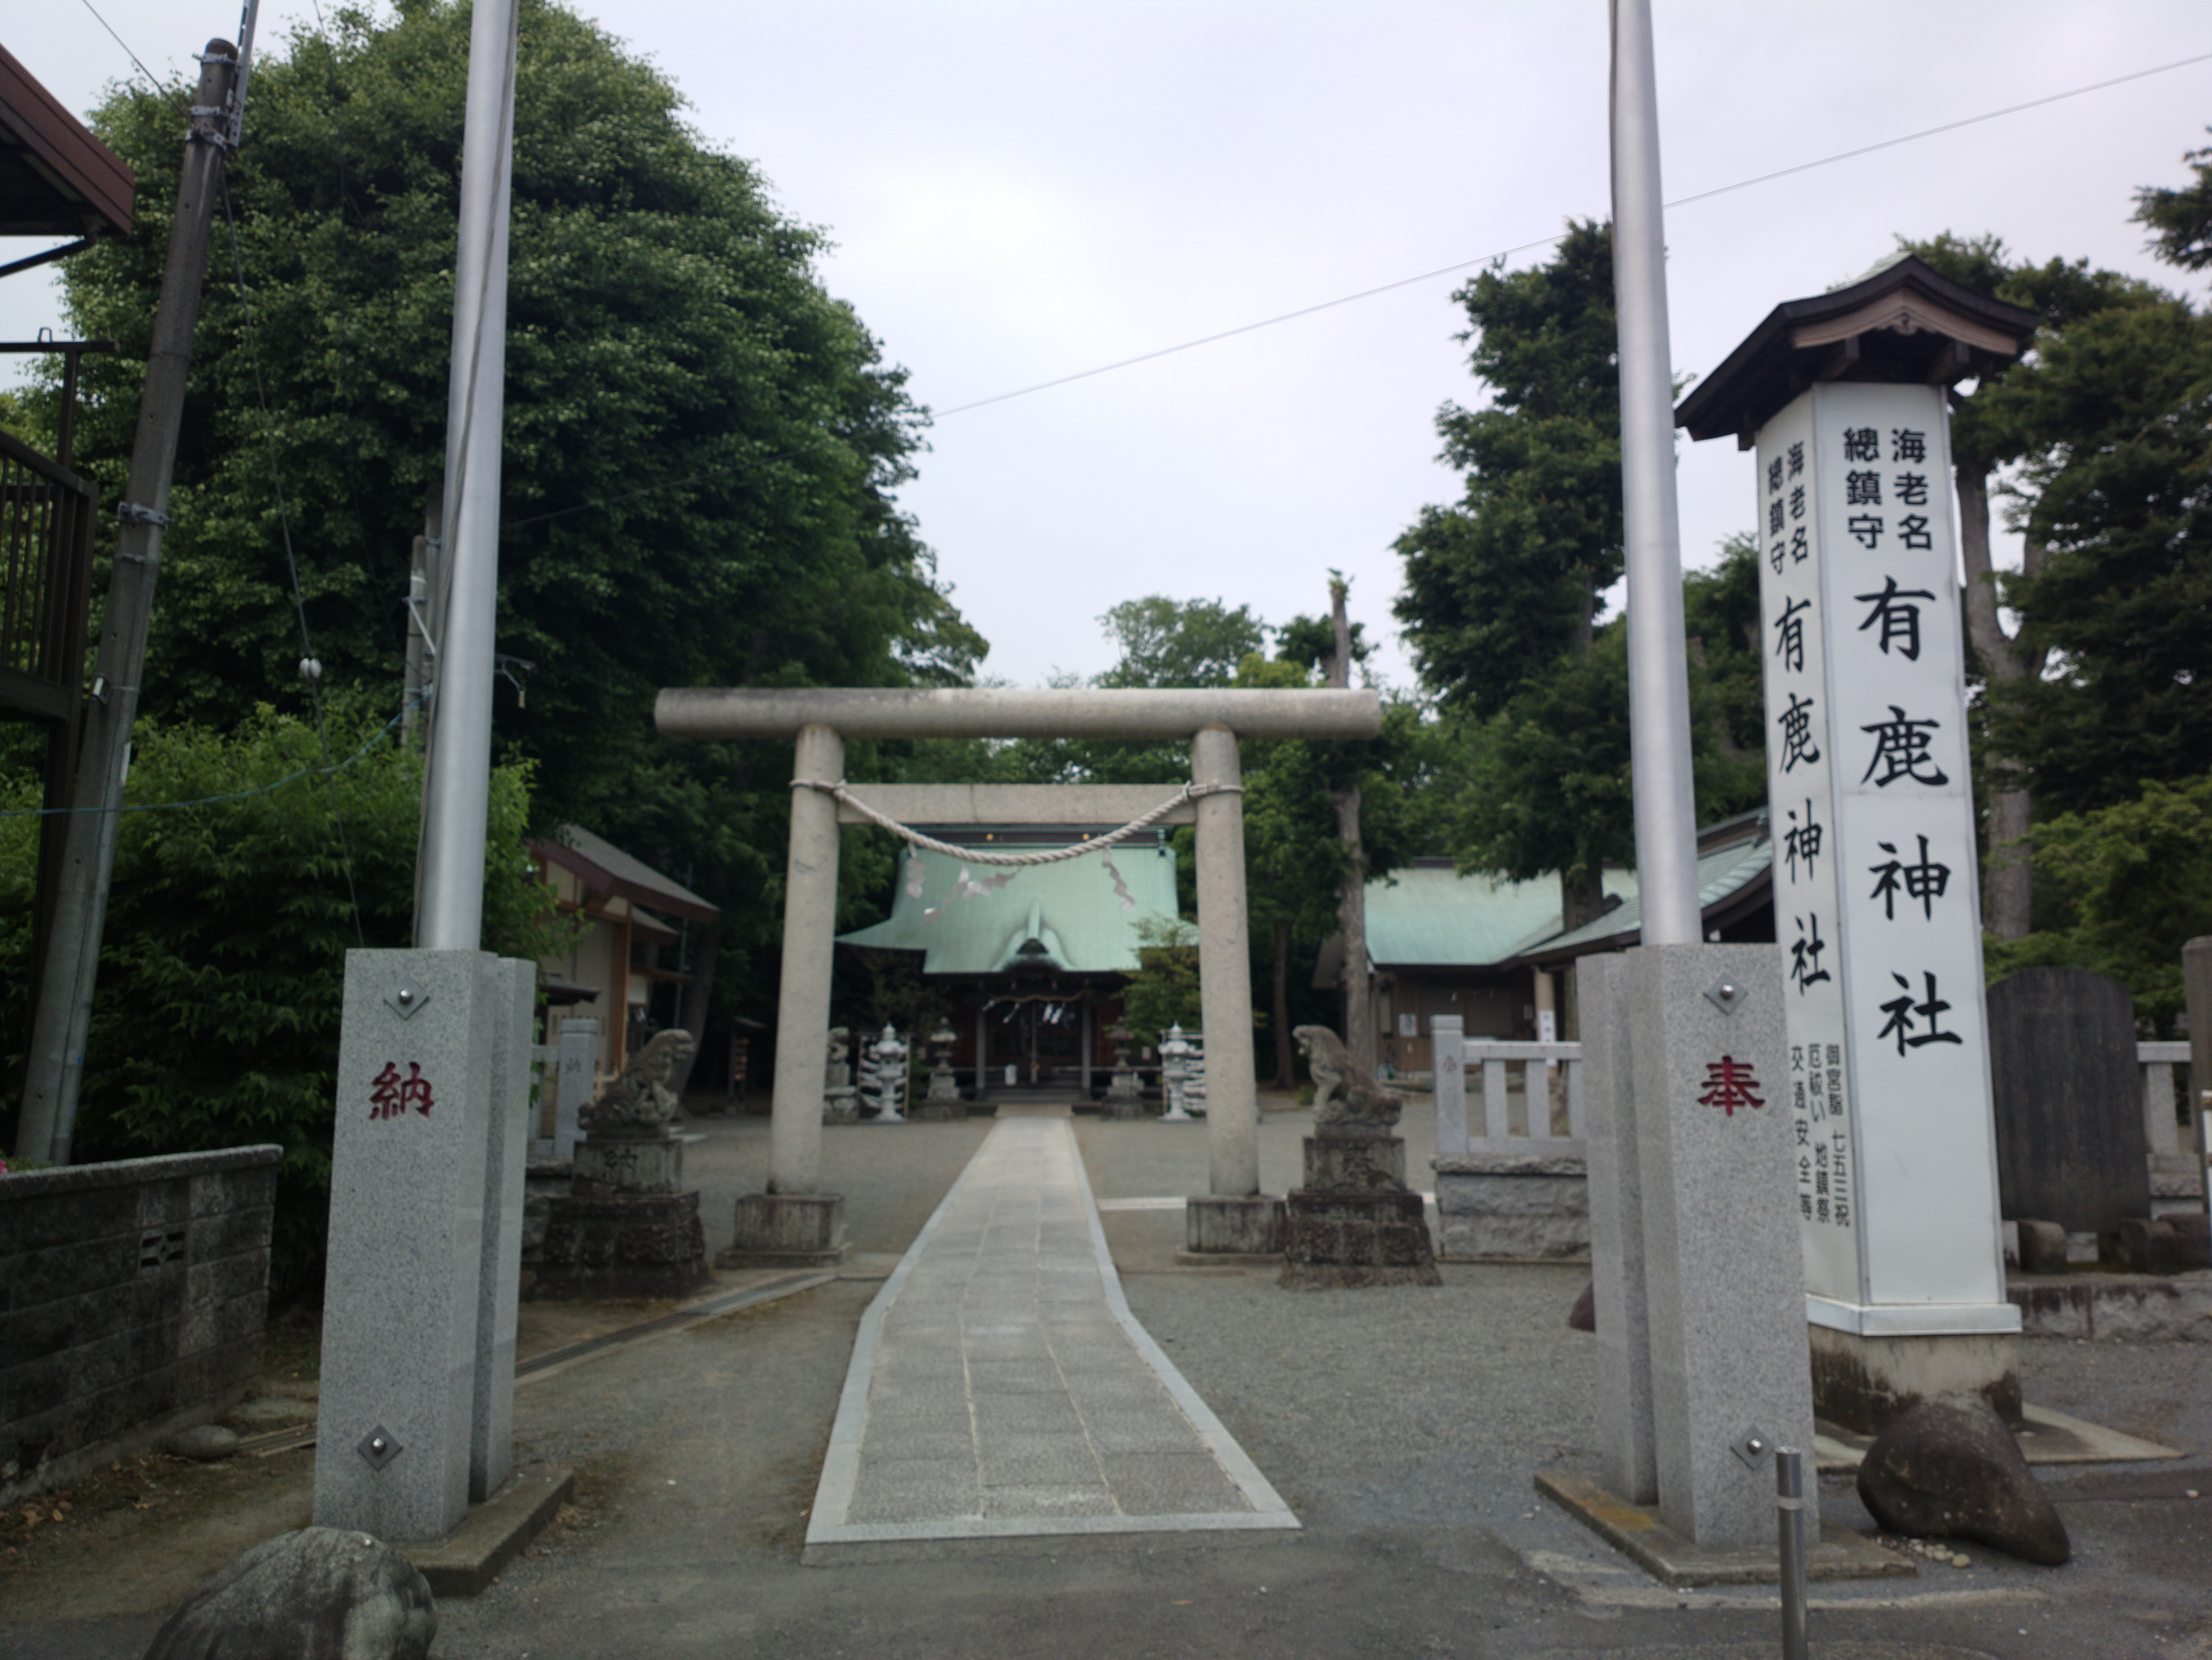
1502 588
2132 883
701 445
216 1018
1164 990
1180 642
2180 220
1990 431
2120 606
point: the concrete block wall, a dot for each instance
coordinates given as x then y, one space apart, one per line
133 1297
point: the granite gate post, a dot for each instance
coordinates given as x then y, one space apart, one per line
510 992
402 1318
1616 1211
2197 994
1721 1278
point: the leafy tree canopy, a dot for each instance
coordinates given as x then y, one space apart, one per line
1180 642
2180 220
701 445
216 1018
1503 584
2103 421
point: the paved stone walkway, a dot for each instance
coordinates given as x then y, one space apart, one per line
1000 1387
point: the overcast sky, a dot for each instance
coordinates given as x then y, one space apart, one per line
1026 191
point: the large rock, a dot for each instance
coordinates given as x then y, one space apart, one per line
319 1593
1583 1316
1949 1468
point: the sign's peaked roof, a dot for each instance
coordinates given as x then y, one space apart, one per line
1903 322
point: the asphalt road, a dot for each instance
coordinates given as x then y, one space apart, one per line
1405 1427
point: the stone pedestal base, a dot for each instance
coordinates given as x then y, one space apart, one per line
1225 1225
1355 1161
1864 1383
1354 1223
942 1103
612 1165
788 1231
841 1105
1123 1107
1342 1240
1516 1207
637 1244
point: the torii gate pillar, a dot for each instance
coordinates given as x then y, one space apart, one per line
1233 1218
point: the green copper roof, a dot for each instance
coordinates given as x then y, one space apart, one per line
1434 917
1065 916
1722 874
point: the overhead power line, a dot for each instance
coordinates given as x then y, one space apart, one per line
1547 242
151 78
1409 281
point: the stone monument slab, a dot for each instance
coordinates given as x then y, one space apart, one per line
2070 1145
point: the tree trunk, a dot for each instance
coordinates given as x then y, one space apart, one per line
1352 922
1286 1062
1580 902
704 955
2008 879
1352 899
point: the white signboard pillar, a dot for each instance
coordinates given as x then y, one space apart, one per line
1876 906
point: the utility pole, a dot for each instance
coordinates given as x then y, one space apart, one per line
421 583
64 1004
1352 901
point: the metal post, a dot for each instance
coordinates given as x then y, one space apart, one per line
55 1061
1658 663
457 795
1789 1508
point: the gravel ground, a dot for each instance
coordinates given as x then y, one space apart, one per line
1404 1425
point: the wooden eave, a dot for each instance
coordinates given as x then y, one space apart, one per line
600 883
1906 323
56 178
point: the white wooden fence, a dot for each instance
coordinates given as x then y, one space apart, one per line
1494 1125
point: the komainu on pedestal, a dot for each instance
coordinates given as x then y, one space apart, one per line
629 1228
1354 1222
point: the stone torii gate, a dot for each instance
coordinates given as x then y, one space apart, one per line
794 1222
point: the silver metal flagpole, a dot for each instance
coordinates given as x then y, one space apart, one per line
449 908
1658 664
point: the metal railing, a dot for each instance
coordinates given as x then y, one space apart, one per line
45 575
